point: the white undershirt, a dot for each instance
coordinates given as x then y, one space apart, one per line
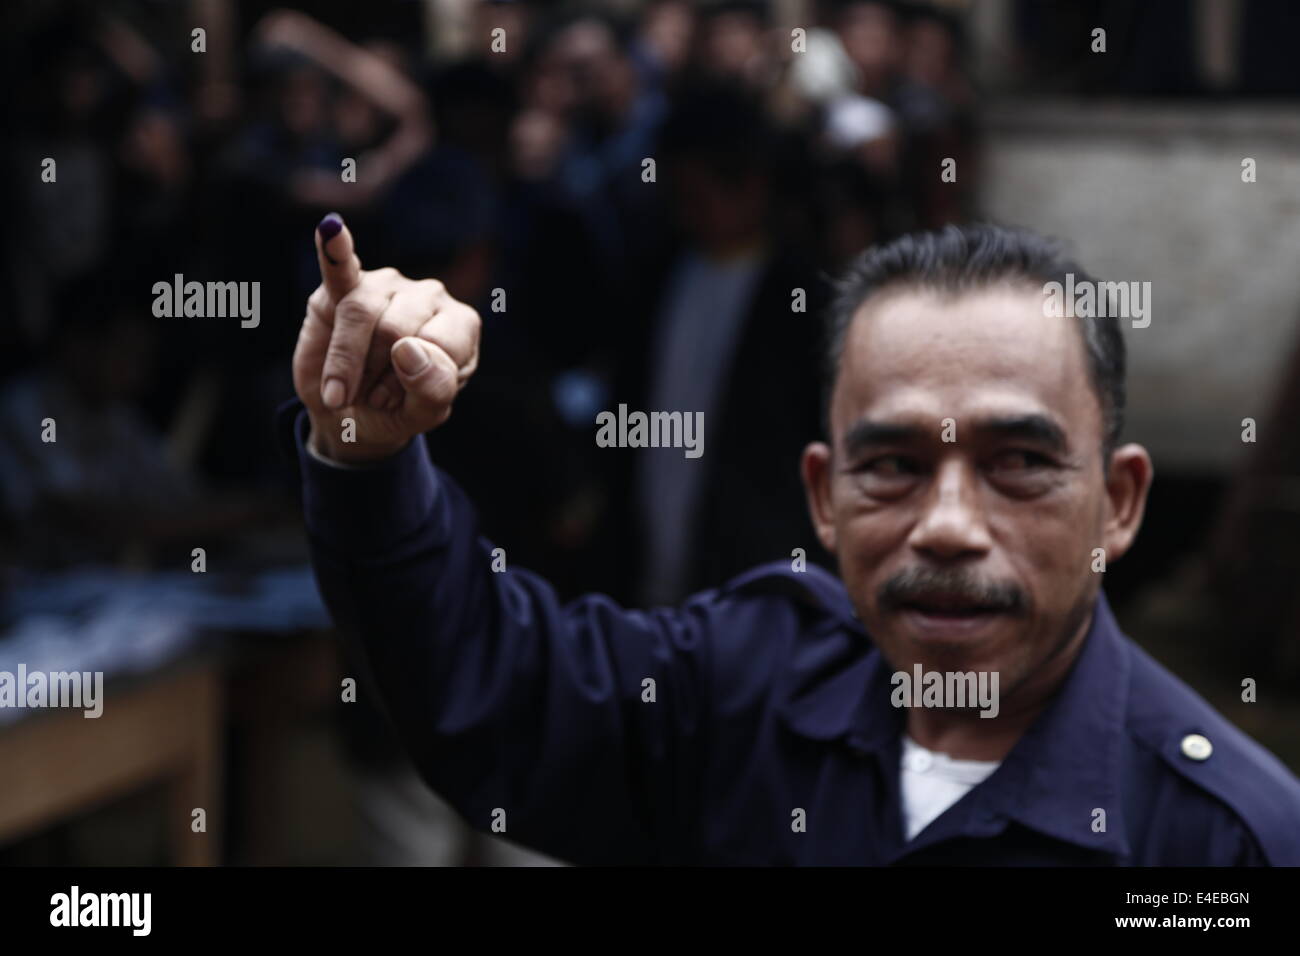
932 782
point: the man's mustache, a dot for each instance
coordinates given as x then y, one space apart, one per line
922 585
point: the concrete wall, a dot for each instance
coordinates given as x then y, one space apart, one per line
1154 193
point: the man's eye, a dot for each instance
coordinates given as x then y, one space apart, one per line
1020 460
888 466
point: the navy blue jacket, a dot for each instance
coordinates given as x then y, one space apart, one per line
768 699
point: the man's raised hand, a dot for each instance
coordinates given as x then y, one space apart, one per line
388 352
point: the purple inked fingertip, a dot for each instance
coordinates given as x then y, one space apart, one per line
330 226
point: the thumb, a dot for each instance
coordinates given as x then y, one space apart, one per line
340 269
427 373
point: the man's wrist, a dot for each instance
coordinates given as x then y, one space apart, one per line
348 454
363 509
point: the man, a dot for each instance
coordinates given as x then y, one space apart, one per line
973 473
726 337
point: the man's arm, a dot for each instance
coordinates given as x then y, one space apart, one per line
517 710
577 728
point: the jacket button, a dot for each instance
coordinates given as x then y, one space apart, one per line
1196 747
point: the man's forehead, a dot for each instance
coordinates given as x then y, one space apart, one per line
990 350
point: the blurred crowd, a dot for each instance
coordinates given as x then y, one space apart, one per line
643 203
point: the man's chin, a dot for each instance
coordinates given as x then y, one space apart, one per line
955 642
952 629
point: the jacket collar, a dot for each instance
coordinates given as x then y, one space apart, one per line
1065 767
1068 765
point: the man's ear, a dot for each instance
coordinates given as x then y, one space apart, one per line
1127 484
816 470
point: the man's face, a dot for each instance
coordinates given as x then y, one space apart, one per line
975 552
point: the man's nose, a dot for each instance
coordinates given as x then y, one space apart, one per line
952 524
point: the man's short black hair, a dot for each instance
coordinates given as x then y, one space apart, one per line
961 258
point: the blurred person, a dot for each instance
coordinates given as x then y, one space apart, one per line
589 121
324 99
866 130
316 100
474 109
709 733
933 62
84 476
217 96
546 82
851 213
738 41
615 121
580 225
489 210
862 123
537 140
824 71
87 105
665 34
155 162
871 33
724 323
500 51
156 170
935 104
732 42
374 86
911 109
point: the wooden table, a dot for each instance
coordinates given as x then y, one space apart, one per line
165 730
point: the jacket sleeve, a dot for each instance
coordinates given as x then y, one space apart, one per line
576 727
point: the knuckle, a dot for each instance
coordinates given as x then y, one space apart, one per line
469 332
339 358
355 311
459 327
400 318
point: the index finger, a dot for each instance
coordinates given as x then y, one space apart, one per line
340 269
